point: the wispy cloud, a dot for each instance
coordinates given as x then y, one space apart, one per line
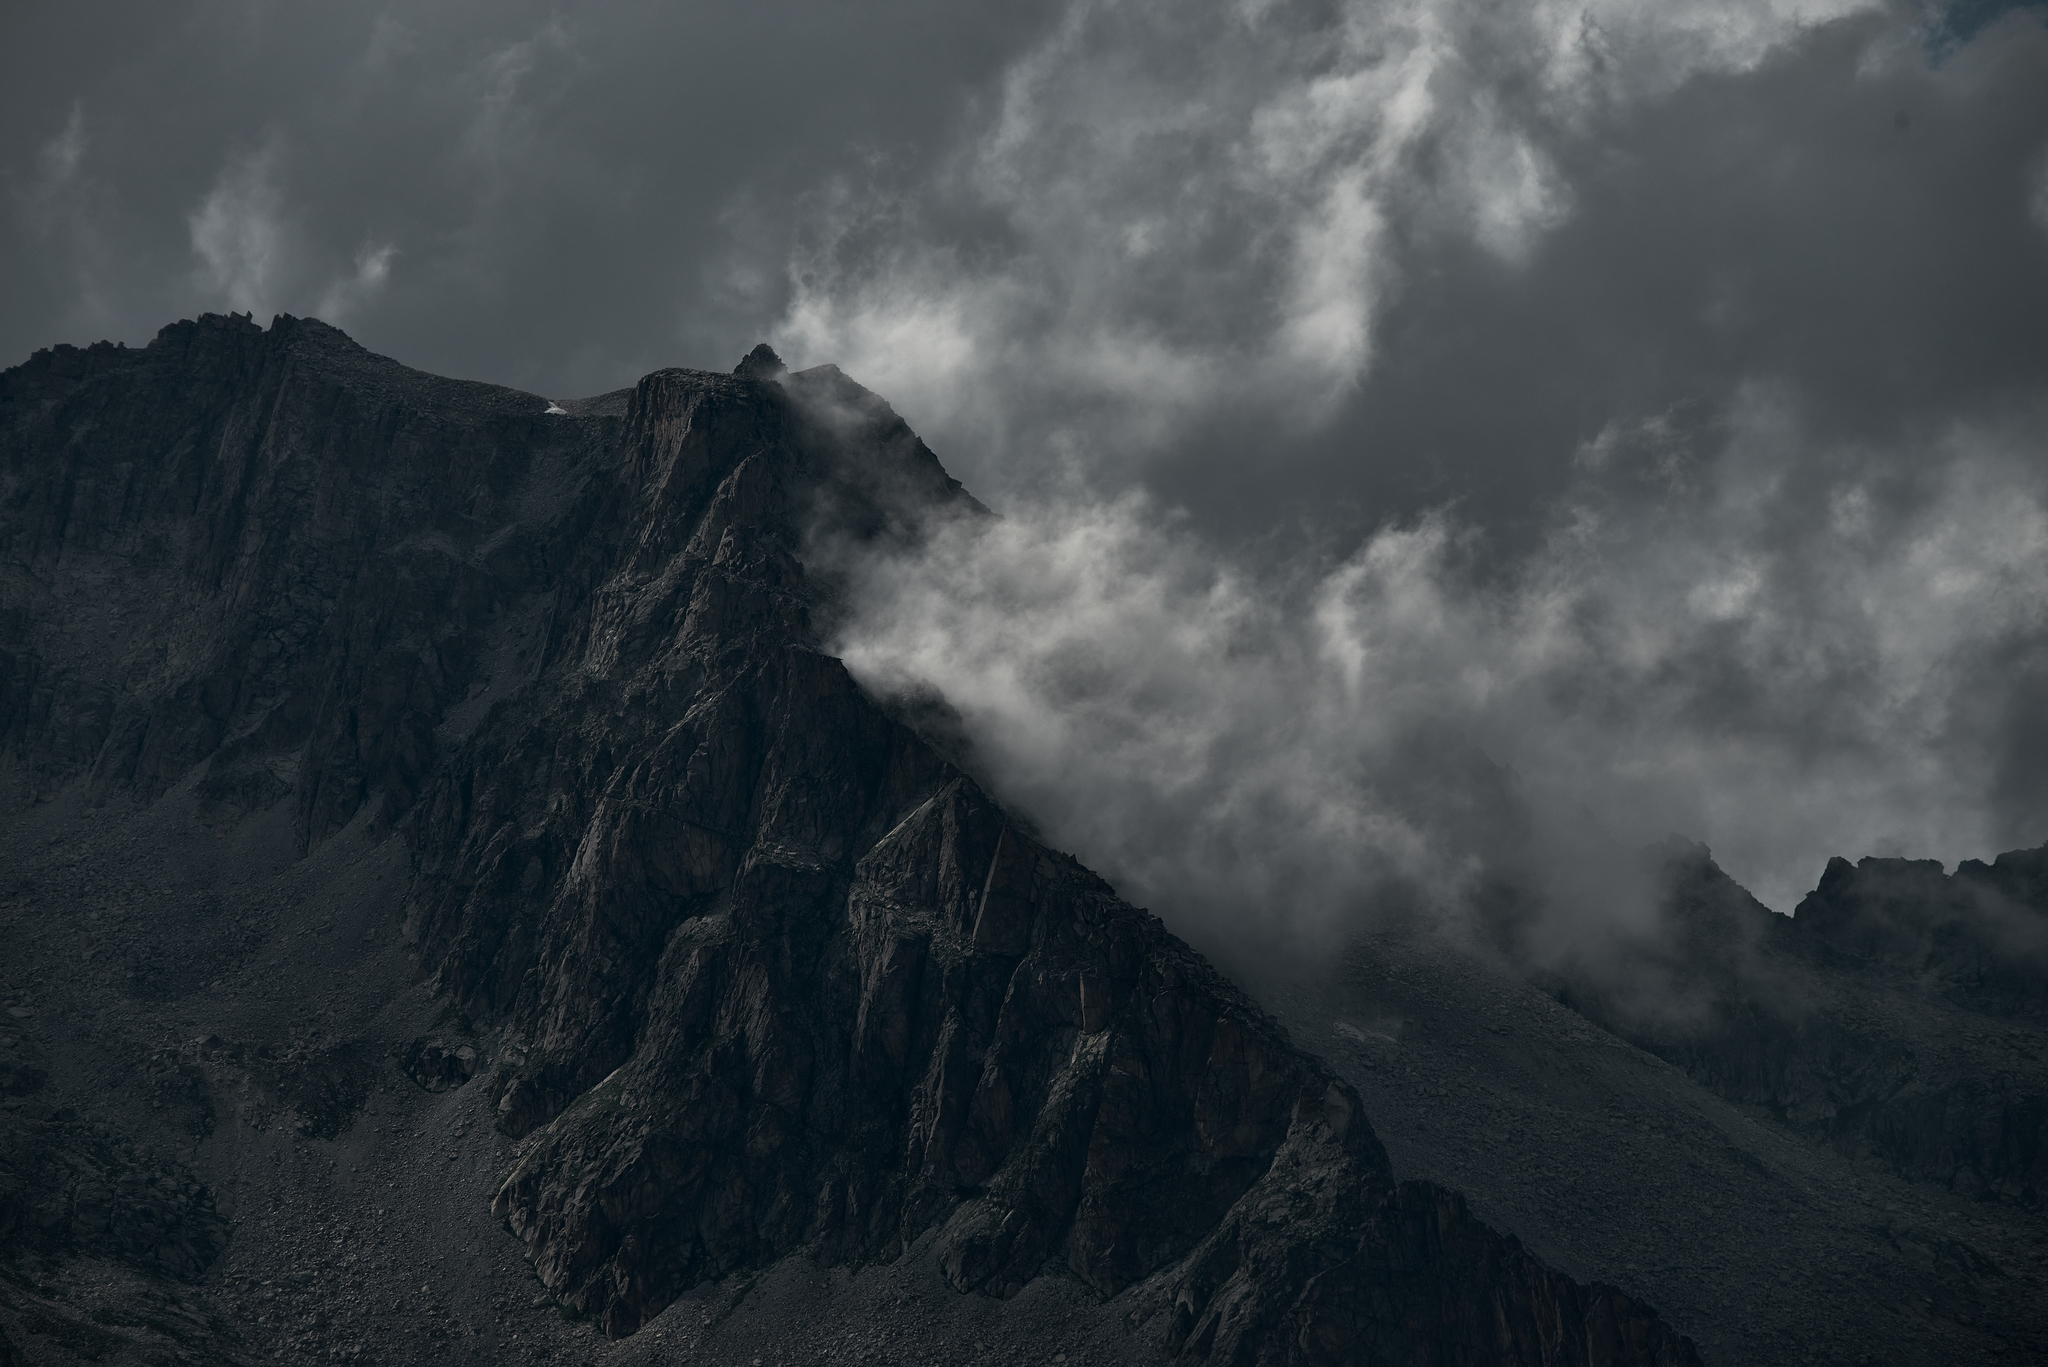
1782 667
1183 209
372 271
59 201
1743 610
2037 191
64 209
57 160
502 124
238 231
258 256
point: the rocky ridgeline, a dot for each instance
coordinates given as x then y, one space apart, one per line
767 972
1897 1014
1977 939
267 553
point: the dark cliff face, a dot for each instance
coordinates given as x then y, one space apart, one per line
1896 1015
268 553
767 972
1976 940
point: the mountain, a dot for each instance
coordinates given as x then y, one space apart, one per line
1807 1138
438 855
1895 1016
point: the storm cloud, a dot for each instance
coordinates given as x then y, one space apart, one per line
1781 666
1418 426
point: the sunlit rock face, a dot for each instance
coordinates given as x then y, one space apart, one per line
754 968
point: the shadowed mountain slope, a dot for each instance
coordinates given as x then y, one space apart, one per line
1896 1016
743 966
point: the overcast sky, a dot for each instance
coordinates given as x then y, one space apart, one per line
1650 399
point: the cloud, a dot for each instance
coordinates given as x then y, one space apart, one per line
1781 664
259 255
55 200
62 207
560 181
504 132
1173 210
58 159
1644 397
1439 443
2037 191
239 234
372 271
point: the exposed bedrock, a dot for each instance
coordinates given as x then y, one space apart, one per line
268 557
1898 1015
765 971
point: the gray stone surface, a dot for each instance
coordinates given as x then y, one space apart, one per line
437 857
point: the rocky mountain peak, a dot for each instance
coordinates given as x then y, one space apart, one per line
761 364
754 971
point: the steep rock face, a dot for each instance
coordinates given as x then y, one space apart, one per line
769 972
268 552
801 984
1977 939
1897 1014
1383 1284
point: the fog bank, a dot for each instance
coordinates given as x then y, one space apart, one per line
1780 650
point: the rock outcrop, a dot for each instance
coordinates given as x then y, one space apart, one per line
767 971
1896 1015
70 1186
1977 939
265 553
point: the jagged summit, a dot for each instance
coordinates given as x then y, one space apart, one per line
761 364
711 970
1896 1015
747 968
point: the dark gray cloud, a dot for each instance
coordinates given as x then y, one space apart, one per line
1855 230
1679 374
1397 255
555 197
1648 398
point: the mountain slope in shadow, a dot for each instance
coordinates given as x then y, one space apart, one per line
721 966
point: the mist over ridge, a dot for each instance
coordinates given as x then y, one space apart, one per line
1666 464
1336 683
1420 427
1783 677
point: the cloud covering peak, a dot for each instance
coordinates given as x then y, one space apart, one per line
1422 429
1784 666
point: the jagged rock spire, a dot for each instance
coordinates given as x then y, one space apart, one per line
761 364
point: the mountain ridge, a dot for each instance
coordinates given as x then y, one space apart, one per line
749 968
1895 1015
